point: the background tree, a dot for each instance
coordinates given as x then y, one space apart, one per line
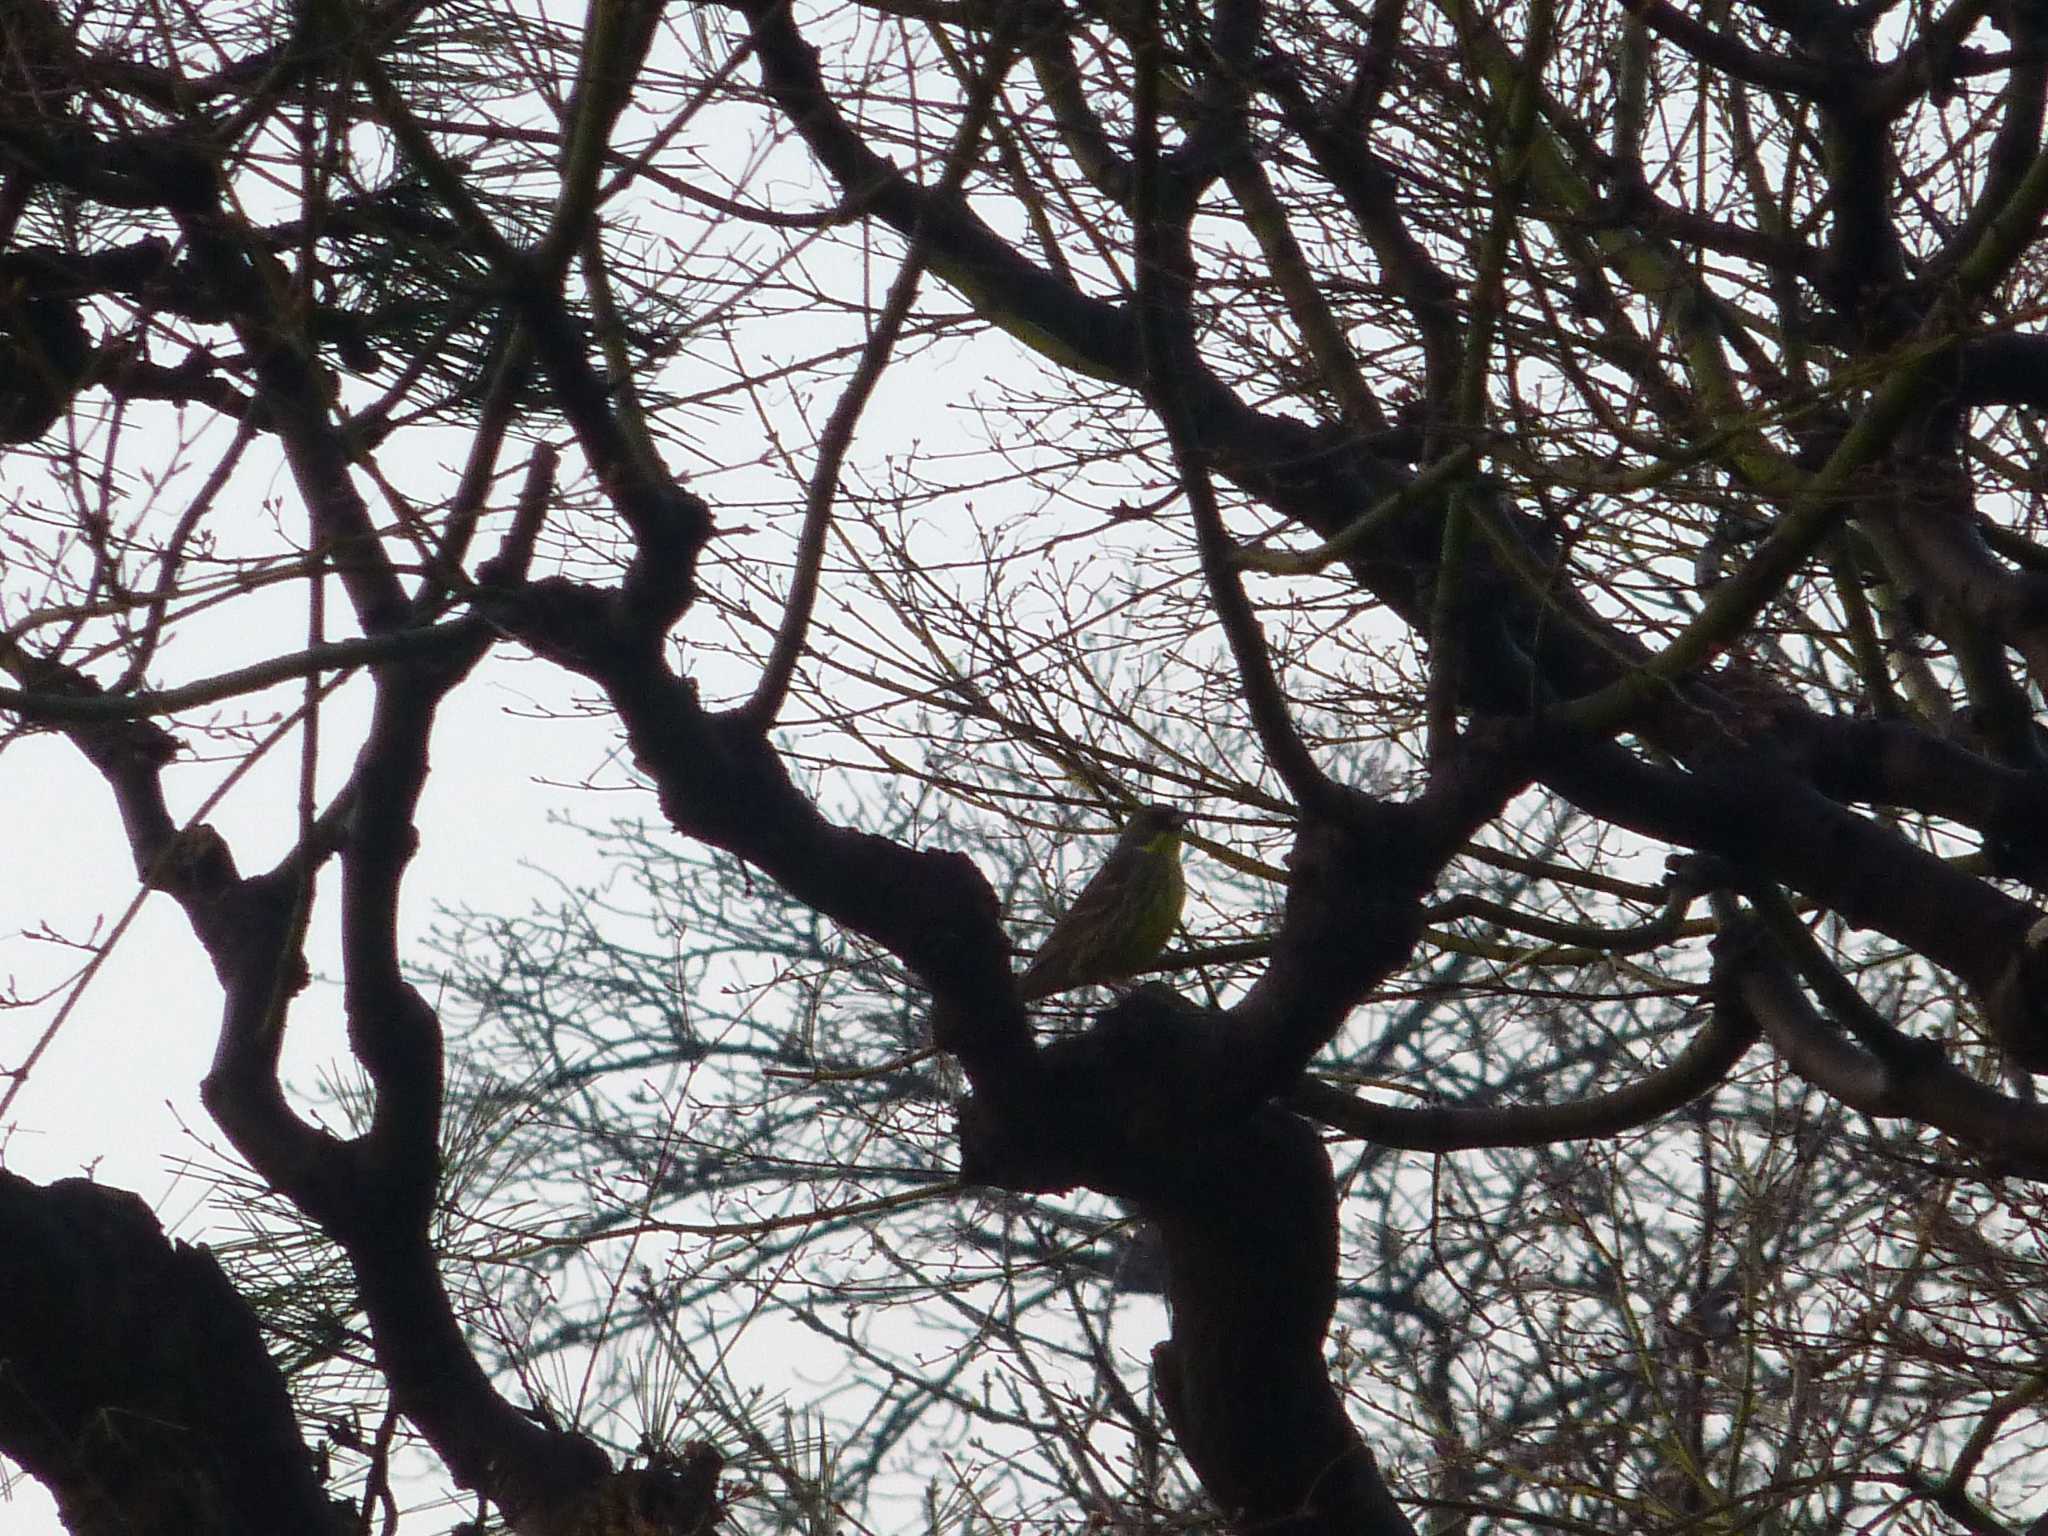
1553 489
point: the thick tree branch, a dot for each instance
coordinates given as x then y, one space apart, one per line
1909 1080
720 781
134 1384
1705 1062
1760 817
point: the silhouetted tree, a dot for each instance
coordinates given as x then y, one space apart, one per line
1554 490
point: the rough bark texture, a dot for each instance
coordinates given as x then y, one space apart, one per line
134 1384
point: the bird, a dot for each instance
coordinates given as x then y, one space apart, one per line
1124 914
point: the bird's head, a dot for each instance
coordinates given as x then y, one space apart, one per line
1154 828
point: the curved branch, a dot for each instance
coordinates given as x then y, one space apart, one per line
1707 1059
772 688
1090 335
1768 822
721 782
1718 51
59 706
1591 938
1915 1082
1166 342
2017 141
670 524
1059 76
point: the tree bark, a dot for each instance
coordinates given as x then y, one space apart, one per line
134 1384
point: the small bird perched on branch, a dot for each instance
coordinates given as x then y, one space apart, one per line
1124 914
